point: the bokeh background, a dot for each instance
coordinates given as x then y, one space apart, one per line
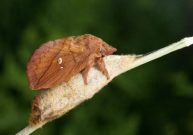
154 99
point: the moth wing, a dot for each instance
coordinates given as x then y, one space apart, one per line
42 59
63 66
57 73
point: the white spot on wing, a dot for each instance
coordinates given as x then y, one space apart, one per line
60 60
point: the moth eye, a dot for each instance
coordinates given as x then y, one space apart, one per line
102 51
60 60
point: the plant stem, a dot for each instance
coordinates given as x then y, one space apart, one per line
163 51
29 129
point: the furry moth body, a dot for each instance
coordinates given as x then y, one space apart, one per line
57 61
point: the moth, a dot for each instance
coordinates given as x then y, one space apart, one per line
57 61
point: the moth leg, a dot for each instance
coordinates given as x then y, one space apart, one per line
91 62
102 68
85 74
87 68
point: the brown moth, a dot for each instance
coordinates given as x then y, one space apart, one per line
57 61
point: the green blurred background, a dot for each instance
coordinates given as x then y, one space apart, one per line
154 99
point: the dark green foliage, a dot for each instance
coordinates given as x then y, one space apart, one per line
154 99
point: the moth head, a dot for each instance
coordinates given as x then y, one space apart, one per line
107 49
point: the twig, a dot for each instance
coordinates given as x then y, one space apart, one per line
53 103
164 51
29 129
